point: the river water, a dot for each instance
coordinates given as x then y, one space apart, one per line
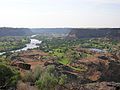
33 44
97 50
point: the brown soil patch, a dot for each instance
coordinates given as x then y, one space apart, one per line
36 63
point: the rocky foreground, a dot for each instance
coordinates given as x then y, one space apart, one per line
100 72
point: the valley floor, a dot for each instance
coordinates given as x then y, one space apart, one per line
61 64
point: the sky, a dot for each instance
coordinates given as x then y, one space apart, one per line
59 13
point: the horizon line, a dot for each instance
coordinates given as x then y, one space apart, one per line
58 27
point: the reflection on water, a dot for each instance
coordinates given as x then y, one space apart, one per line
97 50
33 44
34 35
2 53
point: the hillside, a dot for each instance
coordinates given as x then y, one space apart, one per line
113 33
5 31
51 30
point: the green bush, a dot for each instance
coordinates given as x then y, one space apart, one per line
28 77
37 73
47 81
32 76
8 76
62 79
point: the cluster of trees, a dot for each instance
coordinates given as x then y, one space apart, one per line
12 43
50 44
65 51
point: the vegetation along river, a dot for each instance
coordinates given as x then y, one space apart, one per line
33 44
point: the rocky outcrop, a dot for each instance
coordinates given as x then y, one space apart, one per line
21 65
98 70
112 73
116 55
101 86
91 86
82 33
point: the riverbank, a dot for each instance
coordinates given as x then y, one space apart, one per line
33 44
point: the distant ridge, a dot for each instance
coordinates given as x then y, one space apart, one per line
51 30
8 31
113 33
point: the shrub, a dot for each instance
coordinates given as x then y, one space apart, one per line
36 73
28 77
8 76
47 82
22 86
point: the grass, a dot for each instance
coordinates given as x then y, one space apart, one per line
64 61
58 52
78 69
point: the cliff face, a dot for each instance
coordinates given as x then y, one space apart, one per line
14 31
113 33
51 30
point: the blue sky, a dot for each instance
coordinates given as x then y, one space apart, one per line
60 13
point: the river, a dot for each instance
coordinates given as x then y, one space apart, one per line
97 50
33 44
